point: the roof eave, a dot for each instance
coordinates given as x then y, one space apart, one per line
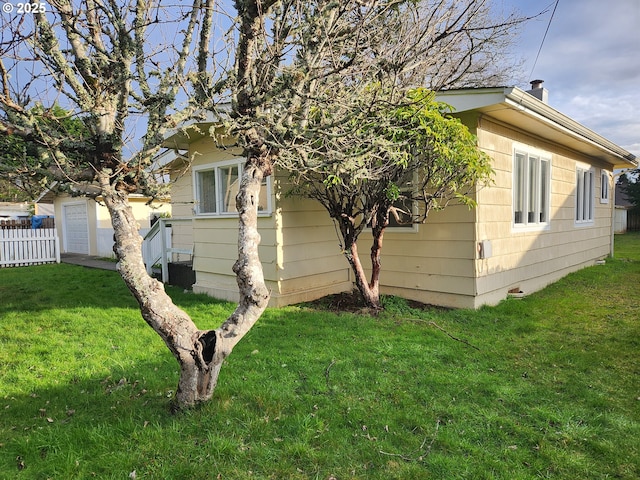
503 102
620 157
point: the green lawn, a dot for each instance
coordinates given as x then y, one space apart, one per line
544 387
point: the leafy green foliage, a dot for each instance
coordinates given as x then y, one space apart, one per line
440 150
415 149
27 165
385 156
631 187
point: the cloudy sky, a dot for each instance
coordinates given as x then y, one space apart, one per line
590 62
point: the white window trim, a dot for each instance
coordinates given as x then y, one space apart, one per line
216 166
605 186
542 156
579 206
412 227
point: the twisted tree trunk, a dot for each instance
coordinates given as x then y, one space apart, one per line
200 353
369 289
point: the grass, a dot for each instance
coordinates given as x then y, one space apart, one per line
550 391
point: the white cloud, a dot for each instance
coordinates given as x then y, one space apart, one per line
590 62
612 115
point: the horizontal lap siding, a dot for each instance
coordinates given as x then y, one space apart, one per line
225 287
310 262
531 260
434 264
299 253
182 196
437 259
216 245
182 207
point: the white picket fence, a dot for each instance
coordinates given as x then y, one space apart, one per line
25 246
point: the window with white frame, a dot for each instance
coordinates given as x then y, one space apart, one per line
585 194
604 186
405 208
216 186
531 188
404 211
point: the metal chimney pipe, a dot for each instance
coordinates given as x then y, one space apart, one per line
538 91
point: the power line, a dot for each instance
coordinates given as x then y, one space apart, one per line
543 38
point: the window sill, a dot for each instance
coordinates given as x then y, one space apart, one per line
530 228
208 216
589 223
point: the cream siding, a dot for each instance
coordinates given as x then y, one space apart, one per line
529 260
182 204
440 263
299 249
433 264
310 264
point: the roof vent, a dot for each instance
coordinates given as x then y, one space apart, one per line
538 91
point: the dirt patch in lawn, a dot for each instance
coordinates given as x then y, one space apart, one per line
351 302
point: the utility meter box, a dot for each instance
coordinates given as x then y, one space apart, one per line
484 249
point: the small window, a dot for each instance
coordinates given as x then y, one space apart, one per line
404 211
531 192
206 193
402 218
216 188
585 194
604 187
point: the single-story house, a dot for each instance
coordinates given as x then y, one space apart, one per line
546 214
84 224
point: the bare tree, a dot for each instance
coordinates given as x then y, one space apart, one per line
115 65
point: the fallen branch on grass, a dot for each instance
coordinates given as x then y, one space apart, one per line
421 452
326 373
434 324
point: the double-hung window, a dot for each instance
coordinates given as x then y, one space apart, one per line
585 194
531 189
216 186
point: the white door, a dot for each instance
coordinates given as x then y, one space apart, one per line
76 227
